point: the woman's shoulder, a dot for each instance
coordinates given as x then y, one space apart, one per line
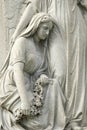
22 43
19 45
20 40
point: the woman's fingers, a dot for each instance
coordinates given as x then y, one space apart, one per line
25 112
21 113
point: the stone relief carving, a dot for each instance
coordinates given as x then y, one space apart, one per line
44 79
24 76
10 13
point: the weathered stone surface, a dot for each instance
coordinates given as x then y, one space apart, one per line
10 13
44 79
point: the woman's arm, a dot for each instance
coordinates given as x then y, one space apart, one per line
20 83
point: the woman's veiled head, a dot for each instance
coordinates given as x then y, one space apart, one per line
43 30
38 20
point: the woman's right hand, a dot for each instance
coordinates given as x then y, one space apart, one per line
25 108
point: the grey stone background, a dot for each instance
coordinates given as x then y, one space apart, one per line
10 13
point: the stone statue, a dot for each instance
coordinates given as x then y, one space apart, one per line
27 88
69 64
66 53
57 50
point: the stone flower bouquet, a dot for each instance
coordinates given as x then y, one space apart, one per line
37 101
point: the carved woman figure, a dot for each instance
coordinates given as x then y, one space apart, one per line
71 15
28 64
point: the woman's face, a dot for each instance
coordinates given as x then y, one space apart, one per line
44 30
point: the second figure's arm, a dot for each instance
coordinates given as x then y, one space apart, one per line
30 10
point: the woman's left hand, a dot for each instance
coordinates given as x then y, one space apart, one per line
43 80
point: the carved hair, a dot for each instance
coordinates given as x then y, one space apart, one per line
35 22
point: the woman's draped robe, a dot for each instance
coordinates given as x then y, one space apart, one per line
75 28
70 17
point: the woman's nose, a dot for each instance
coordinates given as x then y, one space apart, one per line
47 32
